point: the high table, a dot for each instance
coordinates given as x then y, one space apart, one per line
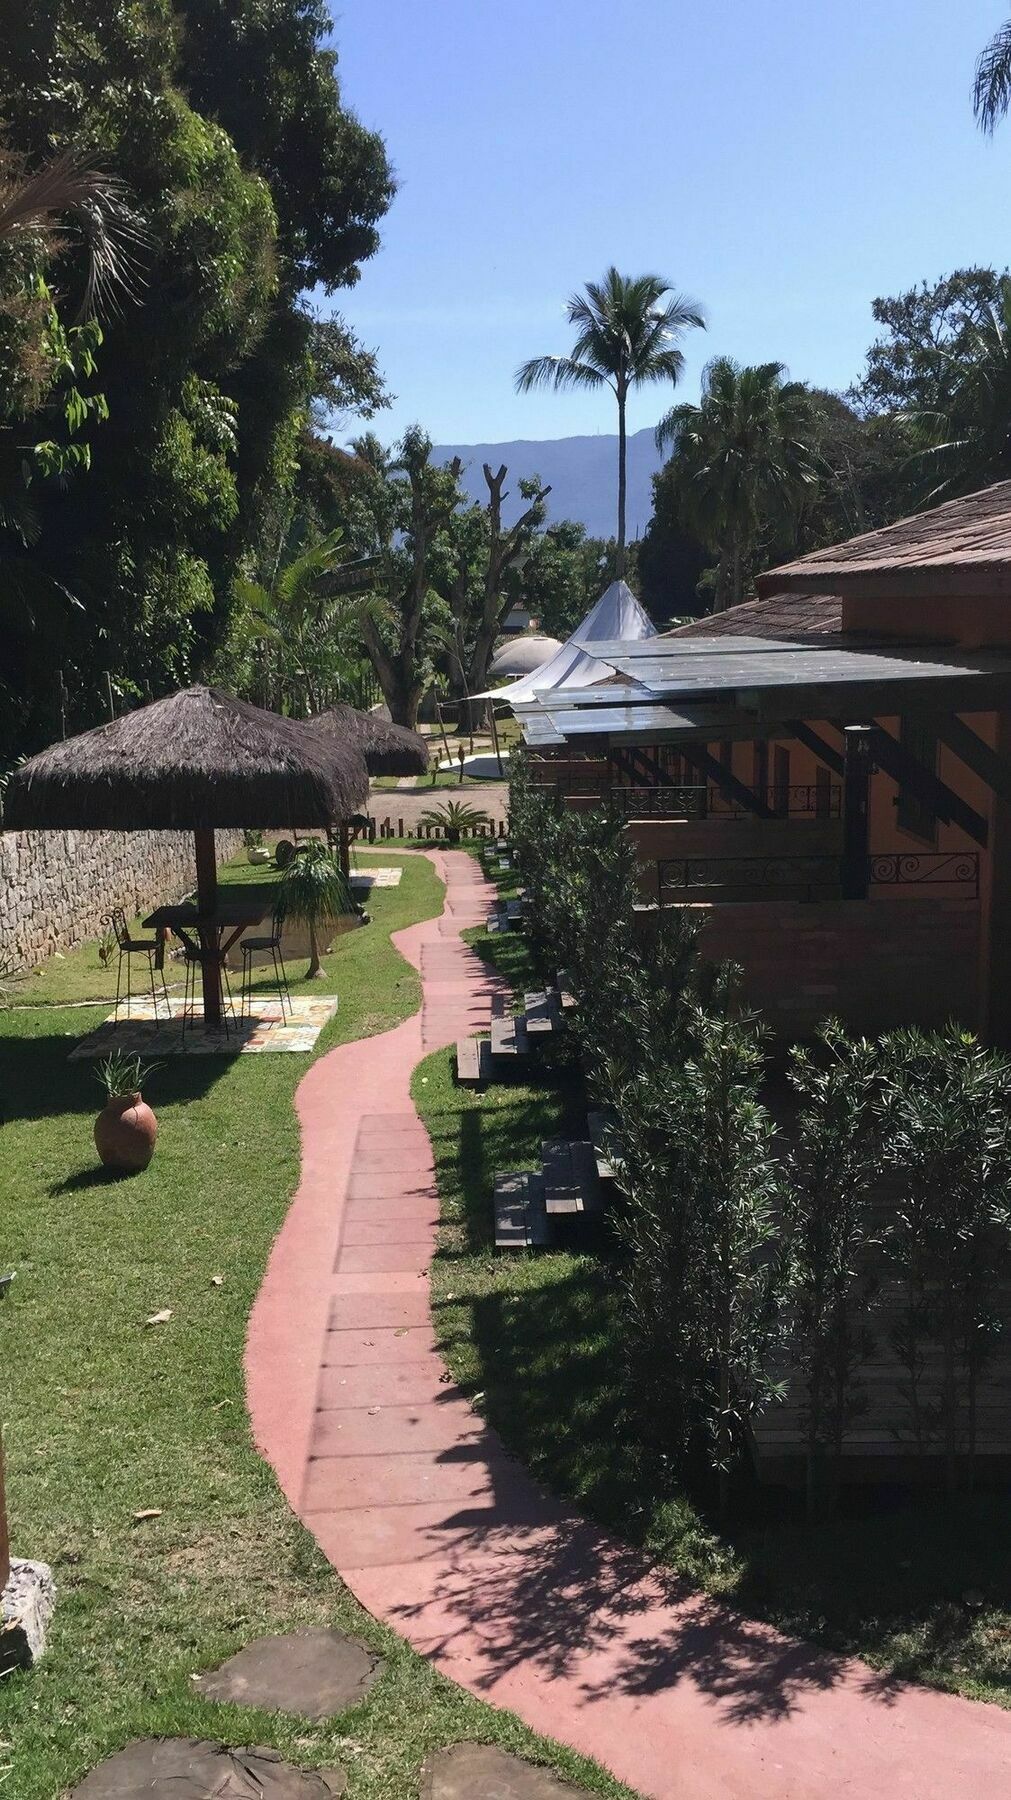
215 933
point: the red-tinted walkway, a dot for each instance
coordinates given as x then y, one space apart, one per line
440 1533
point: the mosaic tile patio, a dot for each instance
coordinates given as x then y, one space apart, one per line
146 1034
380 878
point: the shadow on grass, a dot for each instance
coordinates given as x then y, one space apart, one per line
39 1080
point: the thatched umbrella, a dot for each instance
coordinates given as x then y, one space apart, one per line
388 749
197 761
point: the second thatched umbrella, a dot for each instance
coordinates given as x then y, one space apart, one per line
388 749
198 761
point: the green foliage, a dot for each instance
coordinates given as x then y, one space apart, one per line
211 367
946 1114
314 890
120 1074
742 465
455 817
833 1163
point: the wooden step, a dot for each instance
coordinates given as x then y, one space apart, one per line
542 1012
595 1124
570 1177
509 1036
521 1222
566 997
473 1061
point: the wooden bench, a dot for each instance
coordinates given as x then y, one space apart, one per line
509 1037
542 1012
520 1219
473 1061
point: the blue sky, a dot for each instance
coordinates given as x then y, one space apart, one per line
783 161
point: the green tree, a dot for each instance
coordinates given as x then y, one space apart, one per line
627 335
927 336
309 616
399 509
314 891
211 379
992 89
965 437
742 465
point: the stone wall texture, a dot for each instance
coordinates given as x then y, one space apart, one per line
57 886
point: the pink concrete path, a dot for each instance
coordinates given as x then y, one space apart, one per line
438 1531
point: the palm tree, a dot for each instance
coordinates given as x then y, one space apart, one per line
626 335
966 442
743 460
992 91
71 187
313 601
314 891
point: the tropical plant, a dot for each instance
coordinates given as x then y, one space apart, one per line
121 1074
992 89
946 1115
966 437
454 818
314 890
628 334
310 613
833 1162
742 464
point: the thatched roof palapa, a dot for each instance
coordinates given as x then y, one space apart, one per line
197 760
388 749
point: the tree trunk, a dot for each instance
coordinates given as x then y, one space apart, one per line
315 971
622 456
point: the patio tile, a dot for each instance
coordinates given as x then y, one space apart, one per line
149 1034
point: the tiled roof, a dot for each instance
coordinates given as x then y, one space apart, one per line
791 617
963 547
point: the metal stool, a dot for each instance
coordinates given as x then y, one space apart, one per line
193 973
251 946
130 946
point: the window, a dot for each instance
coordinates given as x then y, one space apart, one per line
919 737
780 797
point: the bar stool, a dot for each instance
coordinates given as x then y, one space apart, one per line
193 975
130 946
251 946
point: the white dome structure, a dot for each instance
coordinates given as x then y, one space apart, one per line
522 656
617 615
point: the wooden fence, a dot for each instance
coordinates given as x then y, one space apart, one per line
380 829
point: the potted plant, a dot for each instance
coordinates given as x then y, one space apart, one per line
314 890
257 852
126 1128
454 819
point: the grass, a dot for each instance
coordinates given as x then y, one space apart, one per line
536 1340
105 1416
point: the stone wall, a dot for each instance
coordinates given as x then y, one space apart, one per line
56 886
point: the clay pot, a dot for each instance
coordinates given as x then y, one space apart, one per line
125 1131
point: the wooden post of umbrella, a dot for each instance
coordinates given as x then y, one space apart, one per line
207 905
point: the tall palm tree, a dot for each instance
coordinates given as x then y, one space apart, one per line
627 334
966 442
992 91
743 461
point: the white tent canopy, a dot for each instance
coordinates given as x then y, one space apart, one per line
616 615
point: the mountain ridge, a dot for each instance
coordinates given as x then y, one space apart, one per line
582 472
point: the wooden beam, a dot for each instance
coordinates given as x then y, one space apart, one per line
857 764
971 750
813 741
727 782
928 788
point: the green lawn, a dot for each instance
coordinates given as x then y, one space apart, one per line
105 1417
536 1340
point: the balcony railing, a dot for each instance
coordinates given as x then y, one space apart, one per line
812 877
661 802
800 800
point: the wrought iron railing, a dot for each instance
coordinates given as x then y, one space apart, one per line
812 877
794 800
760 877
934 868
660 802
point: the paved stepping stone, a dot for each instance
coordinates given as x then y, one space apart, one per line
312 1673
482 1772
194 1769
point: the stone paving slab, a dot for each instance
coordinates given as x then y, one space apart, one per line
402 1479
484 1772
314 1674
393 1429
383 1384
362 1348
197 1769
